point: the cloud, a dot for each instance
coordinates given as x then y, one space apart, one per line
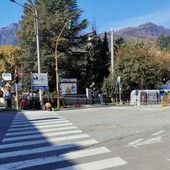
160 17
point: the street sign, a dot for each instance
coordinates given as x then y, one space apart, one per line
6 76
1 83
39 81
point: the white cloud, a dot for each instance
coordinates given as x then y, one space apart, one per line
160 17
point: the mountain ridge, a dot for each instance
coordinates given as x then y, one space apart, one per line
147 32
8 34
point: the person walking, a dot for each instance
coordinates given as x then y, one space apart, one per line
8 97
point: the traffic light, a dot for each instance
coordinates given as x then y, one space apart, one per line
69 24
17 79
60 76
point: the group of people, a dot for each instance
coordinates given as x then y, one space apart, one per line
23 102
8 97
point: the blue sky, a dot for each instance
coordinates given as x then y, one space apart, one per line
104 14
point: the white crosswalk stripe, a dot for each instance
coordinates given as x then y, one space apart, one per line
38 140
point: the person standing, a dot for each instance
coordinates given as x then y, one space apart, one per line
23 104
100 94
8 97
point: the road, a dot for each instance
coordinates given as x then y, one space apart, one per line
120 138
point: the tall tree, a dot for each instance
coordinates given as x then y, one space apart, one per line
97 61
52 16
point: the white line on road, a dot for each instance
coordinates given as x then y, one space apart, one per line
97 165
39 123
158 132
40 131
36 121
47 149
54 159
46 135
39 127
53 141
134 143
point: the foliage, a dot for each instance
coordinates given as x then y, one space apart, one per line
52 16
163 42
97 62
9 59
138 66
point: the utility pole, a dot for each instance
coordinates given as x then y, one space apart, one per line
112 60
37 41
38 52
112 52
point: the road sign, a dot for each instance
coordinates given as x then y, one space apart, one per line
6 76
1 83
39 81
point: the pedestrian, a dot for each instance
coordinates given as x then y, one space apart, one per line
23 104
100 94
8 97
48 106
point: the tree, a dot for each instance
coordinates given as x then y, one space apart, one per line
9 59
163 42
52 16
97 61
138 66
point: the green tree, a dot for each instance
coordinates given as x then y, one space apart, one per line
138 66
163 42
97 61
52 16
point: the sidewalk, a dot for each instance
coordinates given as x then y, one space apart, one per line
6 117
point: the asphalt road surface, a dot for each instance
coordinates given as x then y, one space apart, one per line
120 138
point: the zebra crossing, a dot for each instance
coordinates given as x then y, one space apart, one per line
46 140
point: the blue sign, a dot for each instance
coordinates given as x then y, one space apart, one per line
40 87
162 92
1 83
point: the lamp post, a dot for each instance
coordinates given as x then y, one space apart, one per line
37 41
56 63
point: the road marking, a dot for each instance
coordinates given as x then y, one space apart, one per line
134 143
39 127
39 123
54 159
49 134
53 141
40 131
47 149
146 142
97 165
36 121
158 132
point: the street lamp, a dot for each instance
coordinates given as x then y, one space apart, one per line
57 71
37 40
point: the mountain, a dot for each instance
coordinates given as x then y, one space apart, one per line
147 32
8 34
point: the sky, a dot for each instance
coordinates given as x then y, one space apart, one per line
104 14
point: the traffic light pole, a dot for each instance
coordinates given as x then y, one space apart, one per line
16 88
57 71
